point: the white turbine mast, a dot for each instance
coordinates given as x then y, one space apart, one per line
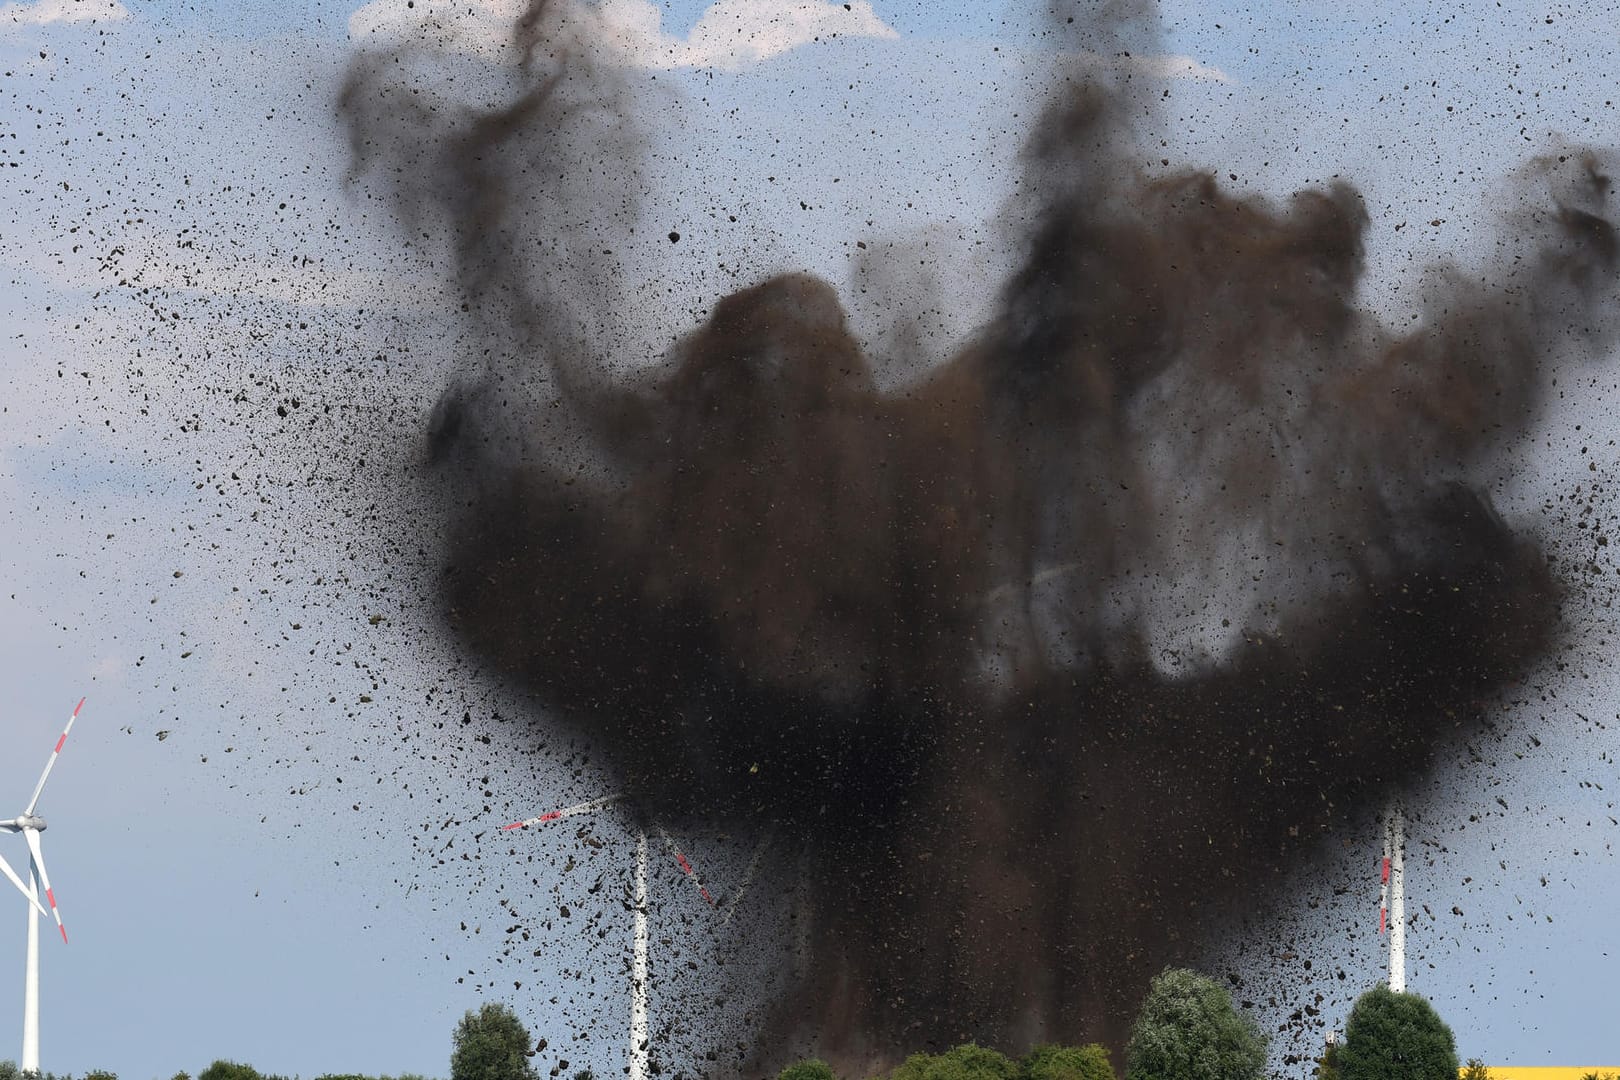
639 1039
1392 895
31 825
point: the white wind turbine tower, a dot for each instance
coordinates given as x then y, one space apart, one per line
638 957
1392 895
31 825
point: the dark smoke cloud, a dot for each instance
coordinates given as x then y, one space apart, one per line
1051 656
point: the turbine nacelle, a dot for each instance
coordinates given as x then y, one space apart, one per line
26 821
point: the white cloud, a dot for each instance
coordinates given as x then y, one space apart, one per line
1180 67
730 35
734 34
43 12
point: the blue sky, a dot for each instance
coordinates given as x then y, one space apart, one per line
227 895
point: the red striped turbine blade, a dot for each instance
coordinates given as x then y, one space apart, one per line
50 762
686 868
32 836
549 815
567 811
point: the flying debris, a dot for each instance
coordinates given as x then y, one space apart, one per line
639 1043
919 631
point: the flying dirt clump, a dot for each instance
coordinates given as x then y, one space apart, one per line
923 632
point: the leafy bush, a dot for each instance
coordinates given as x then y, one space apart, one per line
1392 1036
966 1062
1067 1063
1189 1030
1476 1070
813 1069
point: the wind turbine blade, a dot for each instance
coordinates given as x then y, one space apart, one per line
51 761
748 879
566 812
32 836
28 894
686 867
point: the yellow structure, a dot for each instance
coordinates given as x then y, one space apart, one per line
1551 1072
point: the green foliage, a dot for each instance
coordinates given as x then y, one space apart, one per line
584 1074
1189 1030
1327 1066
966 1062
813 1069
9 1071
100 1074
1392 1036
229 1070
181 1075
1067 1063
491 1044
1475 1070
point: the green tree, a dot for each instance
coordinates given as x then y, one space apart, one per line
9 1070
1392 1036
1475 1069
1327 1066
1189 1030
100 1074
965 1062
813 1069
490 1044
1068 1063
229 1070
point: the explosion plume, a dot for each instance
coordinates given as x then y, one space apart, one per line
769 588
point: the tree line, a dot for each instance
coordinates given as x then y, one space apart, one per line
1187 1029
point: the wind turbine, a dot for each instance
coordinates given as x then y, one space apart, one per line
639 1064
1392 896
31 825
